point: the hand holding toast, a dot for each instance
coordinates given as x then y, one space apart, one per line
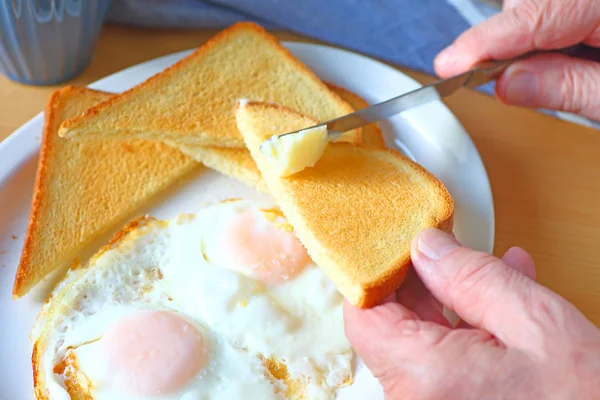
518 339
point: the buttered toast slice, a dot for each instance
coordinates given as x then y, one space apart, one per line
83 188
194 100
238 164
356 211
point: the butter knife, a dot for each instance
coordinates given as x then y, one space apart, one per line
482 73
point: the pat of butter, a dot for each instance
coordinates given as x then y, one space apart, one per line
290 154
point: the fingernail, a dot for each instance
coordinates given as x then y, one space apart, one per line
435 244
522 87
446 58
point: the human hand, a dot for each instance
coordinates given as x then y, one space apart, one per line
546 81
517 339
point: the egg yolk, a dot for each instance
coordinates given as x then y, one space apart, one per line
262 249
153 352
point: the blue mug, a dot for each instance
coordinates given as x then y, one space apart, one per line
45 42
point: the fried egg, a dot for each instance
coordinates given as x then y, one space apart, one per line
222 304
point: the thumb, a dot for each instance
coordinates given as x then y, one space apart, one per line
553 82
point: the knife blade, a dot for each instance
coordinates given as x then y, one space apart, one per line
482 73
418 97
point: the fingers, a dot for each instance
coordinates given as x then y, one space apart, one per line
553 82
388 335
409 355
415 297
519 260
484 291
481 43
523 26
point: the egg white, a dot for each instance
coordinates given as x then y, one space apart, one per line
174 265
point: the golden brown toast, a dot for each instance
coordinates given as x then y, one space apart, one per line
193 101
234 163
238 164
356 211
82 188
371 135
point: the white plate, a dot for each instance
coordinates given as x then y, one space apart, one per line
430 134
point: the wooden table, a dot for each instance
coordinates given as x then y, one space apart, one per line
545 181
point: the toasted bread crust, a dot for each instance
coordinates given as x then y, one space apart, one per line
25 271
173 165
68 127
375 292
304 199
25 268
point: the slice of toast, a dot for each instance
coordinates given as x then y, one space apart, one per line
234 163
82 188
194 100
356 211
238 164
371 135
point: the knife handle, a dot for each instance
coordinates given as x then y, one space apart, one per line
487 71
